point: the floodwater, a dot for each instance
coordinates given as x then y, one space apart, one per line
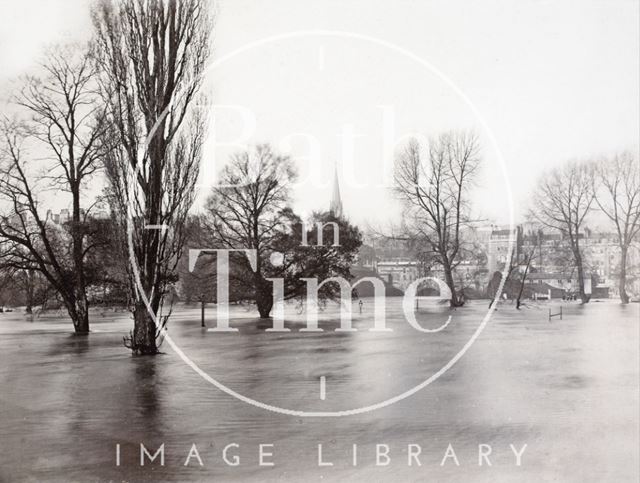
567 389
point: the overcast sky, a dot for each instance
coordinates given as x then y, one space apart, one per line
550 80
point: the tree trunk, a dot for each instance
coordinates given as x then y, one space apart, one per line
448 275
78 313
29 290
81 305
81 324
144 331
578 258
264 302
523 281
624 297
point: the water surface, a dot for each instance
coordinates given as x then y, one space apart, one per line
567 389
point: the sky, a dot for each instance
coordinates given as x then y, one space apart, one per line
335 84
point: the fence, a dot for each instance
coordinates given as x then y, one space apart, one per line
558 314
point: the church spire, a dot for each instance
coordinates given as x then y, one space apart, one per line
336 201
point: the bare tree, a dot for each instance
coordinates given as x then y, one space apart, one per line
527 259
152 54
515 280
246 212
618 196
62 137
563 198
251 210
434 191
22 287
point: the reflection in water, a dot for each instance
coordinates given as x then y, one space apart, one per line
72 345
67 401
146 386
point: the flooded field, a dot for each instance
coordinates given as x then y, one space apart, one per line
567 389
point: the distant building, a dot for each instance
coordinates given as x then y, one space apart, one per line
602 252
20 214
399 273
498 247
58 218
564 282
65 215
547 248
336 200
